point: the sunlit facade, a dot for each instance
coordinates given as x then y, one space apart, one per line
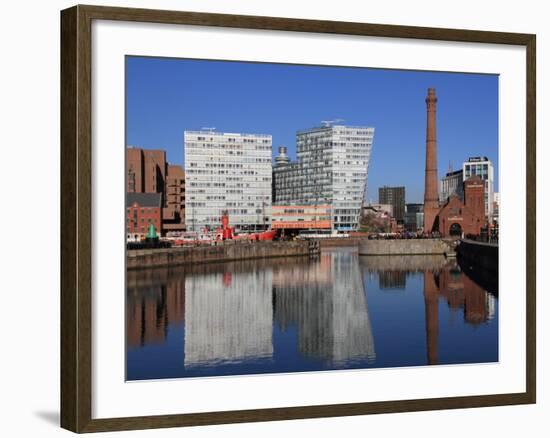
331 169
227 171
482 167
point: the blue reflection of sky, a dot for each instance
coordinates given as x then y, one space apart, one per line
321 328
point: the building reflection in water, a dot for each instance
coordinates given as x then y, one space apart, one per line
228 317
155 299
236 313
327 304
392 280
229 309
443 280
460 293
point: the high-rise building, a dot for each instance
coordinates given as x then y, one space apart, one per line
451 184
395 196
145 170
482 167
331 169
227 172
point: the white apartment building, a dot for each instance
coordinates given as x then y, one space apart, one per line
331 169
482 167
227 172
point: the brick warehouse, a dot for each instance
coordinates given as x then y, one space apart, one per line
142 209
456 218
147 171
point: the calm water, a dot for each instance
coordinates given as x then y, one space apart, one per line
338 311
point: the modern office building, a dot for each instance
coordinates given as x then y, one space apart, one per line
482 167
331 169
227 172
414 217
395 196
451 184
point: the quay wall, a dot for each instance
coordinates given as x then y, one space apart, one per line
479 255
405 247
405 263
479 261
228 251
331 242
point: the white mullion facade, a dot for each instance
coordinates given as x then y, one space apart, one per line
331 169
227 172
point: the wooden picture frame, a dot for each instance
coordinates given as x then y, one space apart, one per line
76 218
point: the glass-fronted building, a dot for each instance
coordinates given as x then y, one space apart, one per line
331 169
482 167
451 184
227 172
414 217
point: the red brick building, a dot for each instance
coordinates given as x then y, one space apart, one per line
173 213
148 172
145 170
142 209
457 218
431 196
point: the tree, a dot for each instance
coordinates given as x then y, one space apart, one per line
374 223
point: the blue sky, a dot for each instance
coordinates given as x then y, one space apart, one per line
166 96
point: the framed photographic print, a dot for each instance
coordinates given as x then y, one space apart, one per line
269 218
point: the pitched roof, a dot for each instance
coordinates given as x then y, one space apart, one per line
143 199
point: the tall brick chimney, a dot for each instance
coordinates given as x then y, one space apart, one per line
431 195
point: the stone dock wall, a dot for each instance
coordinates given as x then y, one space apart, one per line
228 251
405 247
405 263
332 242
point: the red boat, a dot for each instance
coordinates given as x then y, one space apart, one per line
264 235
228 233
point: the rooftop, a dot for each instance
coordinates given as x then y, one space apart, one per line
454 172
331 127
143 199
477 159
226 134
